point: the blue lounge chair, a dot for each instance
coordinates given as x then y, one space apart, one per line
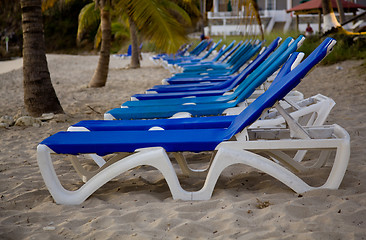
312 111
203 106
151 147
194 53
229 84
220 53
194 93
178 67
129 52
181 51
229 68
194 109
196 59
185 123
267 68
229 54
202 77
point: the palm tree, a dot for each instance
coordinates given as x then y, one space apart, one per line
156 20
39 94
331 23
250 16
135 51
99 78
150 18
329 18
342 17
255 9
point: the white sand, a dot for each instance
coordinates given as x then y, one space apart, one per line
138 204
7 66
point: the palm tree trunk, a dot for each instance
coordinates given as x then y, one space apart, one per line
135 55
39 94
329 19
101 73
257 16
342 17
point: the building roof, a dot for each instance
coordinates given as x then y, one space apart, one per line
315 6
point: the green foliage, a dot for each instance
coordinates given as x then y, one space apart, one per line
192 7
89 18
60 25
120 30
178 12
10 26
121 35
347 47
160 21
156 24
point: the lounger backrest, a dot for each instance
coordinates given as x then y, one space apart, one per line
266 69
258 67
245 57
199 45
280 89
253 65
260 58
129 50
203 47
184 48
219 53
232 51
223 51
244 47
286 68
211 49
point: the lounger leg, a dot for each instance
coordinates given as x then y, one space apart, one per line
186 169
80 170
155 157
227 156
294 165
341 159
232 153
86 175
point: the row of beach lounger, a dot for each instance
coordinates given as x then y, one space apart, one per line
239 105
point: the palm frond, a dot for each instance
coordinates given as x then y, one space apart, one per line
120 30
47 4
157 25
171 6
191 6
87 17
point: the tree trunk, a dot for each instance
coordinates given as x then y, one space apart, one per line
39 94
101 73
201 20
135 55
342 17
257 16
329 19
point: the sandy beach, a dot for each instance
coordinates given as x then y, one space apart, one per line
138 204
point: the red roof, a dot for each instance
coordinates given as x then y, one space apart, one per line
317 4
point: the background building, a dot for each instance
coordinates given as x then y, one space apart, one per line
228 18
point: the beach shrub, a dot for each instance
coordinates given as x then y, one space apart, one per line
347 47
60 27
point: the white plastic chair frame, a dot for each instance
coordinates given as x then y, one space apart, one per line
312 111
242 150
